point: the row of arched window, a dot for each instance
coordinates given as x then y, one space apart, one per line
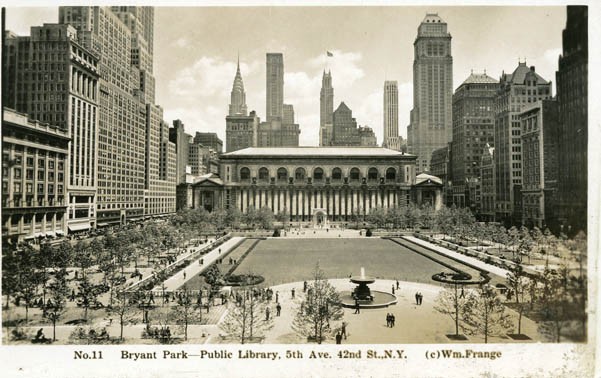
318 175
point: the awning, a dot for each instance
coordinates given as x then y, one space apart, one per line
60 232
29 237
79 227
39 234
101 224
51 233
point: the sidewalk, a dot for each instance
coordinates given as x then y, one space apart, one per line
177 280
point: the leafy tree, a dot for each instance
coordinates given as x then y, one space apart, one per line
233 217
87 294
451 303
485 313
218 218
319 309
212 275
83 257
246 319
525 243
10 273
182 311
266 217
356 215
251 218
554 302
377 216
513 240
518 283
54 308
283 216
125 312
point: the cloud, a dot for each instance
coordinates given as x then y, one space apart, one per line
208 77
182 42
344 66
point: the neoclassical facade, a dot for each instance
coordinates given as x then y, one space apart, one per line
323 184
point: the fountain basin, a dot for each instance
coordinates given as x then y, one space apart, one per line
380 300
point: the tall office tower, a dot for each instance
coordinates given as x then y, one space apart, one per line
539 162
326 109
159 196
516 91
210 140
288 114
178 136
487 184
344 127
238 96
430 126
473 129
55 81
391 116
367 137
275 86
572 96
123 37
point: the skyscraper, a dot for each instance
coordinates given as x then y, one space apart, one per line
391 116
572 96
473 129
326 109
516 91
345 127
430 126
275 86
288 114
238 96
130 139
62 91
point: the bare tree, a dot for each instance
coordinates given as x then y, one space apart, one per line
246 319
319 309
125 312
518 284
485 313
452 303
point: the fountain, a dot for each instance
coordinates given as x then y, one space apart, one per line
363 296
362 291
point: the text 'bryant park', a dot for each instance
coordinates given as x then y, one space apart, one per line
119 227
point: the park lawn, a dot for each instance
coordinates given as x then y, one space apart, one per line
281 261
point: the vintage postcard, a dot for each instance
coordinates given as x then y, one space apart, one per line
299 189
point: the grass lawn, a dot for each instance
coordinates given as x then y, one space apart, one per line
281 261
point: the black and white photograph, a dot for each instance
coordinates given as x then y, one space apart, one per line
323 189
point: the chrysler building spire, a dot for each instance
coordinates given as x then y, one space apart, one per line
238 96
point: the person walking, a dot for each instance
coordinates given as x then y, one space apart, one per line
417 298
392 289
388 319
338 338
343 330
184 274
277 297
292 293
357 311
278 309
391 320
267 311
397 285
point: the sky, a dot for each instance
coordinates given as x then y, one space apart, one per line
196 48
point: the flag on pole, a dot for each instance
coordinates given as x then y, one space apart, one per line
329 53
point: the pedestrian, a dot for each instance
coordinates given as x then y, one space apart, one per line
278 309
200 262
304 286
292 293
391 320
219 250
357 307
184 274
392 289
420 297
338 338
267 313
277 297
151 298
417 298
388 319
397 285
343 330
72 295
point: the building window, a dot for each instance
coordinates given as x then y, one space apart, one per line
372 174
245 174
282 174
336 174
299 174
318 174
390 175
263 174
355 174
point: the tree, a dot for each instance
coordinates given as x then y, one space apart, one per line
525 243
283 216
218 218
449 302
10 272
554 302
251 217
319 309
233 217
356 215
55 306
182 311
246 320
266 217
513 240
83 257
87 295
485 313
28 278
377 216
125 312
518 284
